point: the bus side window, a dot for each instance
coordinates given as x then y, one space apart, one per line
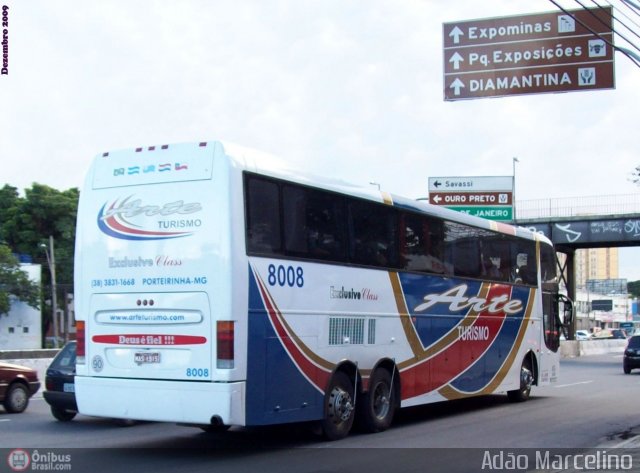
374 241
263 216
412 243
463 249
466 258
420 244
496 257
548 264
314 224
525 268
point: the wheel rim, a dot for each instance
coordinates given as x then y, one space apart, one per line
526 378
19 399
340 405
381 404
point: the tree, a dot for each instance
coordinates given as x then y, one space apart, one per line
8 206
633 288
15 283
27 222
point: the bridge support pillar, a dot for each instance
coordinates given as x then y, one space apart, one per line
569 278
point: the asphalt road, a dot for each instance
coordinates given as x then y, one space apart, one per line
594 403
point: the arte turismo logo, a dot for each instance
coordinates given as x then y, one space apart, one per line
130 219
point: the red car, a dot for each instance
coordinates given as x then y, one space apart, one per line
17 385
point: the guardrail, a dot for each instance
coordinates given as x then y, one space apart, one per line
578 206
574 348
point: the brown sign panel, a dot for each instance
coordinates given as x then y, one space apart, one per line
471 198
528 27
535 80
529 54
544 52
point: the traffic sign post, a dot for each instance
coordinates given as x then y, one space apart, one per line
489 197
538 53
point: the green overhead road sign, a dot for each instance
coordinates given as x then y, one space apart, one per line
491 212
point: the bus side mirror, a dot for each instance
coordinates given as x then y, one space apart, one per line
567 311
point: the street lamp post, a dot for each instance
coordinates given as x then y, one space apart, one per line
51 259
515 160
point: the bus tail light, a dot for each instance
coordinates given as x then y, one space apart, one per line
80 342
225 336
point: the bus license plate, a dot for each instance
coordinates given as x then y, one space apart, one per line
146 357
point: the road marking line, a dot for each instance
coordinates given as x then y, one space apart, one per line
573 384
5 420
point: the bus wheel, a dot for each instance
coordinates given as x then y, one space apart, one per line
526 380
377 408
215 429
338 408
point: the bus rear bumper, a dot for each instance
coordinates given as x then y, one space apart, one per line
161 401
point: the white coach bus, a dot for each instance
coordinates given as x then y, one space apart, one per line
215 288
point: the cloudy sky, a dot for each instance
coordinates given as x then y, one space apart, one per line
352 89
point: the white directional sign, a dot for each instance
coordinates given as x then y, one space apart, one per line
471 184
484 196
536 53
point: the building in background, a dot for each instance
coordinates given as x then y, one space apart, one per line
602 300
595 264
596 311
21 329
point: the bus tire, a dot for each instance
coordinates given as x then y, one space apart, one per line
526 381
215 429
338 407
377 407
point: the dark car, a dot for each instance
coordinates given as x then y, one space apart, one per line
60 393
17 385
60 384
619 334
631 358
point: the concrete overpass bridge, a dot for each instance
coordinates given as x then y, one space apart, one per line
583 222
